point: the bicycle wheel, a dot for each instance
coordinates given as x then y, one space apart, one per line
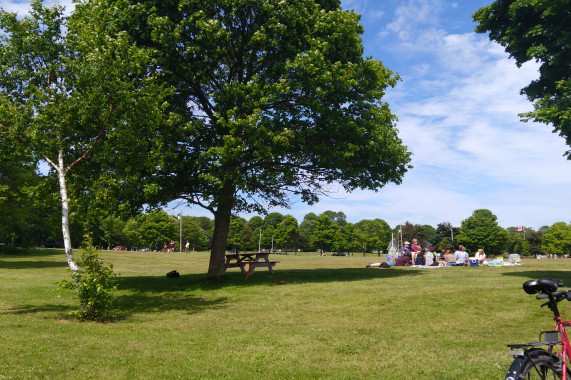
540 365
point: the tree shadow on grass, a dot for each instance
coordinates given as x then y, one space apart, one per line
127 305
150 284
33 252
32 309
563 275
335 275
32 264
158 294
11 260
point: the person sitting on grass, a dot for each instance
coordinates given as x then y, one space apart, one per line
436 255
429 258
415 250
460 256
448 258
420 257
481 256
403 261
406 248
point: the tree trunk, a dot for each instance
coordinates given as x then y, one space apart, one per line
220 236
65 214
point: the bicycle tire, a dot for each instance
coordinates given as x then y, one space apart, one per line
539 365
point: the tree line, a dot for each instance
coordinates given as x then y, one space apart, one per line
328 232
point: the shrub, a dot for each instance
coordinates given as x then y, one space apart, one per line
94 283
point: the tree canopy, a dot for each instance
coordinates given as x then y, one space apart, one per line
481 230
557 239
537 30
273 99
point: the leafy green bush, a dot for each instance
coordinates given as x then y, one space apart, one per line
94 283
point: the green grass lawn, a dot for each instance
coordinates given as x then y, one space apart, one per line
316 317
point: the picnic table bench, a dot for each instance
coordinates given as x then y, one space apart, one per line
252 260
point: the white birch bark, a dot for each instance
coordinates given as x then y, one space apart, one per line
65 214
61 172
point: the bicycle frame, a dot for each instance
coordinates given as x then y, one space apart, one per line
565 346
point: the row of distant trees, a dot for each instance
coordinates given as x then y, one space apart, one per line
329 231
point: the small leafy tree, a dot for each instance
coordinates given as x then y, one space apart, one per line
94 284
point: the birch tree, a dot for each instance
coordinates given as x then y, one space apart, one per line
67 84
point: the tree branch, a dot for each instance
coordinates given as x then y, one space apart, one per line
101 132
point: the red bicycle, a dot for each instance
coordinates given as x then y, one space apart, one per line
548 358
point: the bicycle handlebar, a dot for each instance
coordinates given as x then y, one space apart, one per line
559 295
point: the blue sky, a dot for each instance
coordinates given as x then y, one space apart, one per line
457 107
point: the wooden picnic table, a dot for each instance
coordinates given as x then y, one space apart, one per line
250 259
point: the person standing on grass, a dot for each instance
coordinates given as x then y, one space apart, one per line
187 246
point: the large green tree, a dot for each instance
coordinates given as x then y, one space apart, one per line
557 239
269 226
240 236
275 100
324 233
481 230
287 233
306 229
372 235
157 227
537 30
68 84
192 231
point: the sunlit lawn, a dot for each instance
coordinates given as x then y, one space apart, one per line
316 317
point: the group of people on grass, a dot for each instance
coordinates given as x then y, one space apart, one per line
416 255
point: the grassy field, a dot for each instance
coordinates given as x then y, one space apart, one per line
316 317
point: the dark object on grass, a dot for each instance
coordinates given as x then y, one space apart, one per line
173 274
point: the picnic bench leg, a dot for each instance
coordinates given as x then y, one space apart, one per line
251 268
267 260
